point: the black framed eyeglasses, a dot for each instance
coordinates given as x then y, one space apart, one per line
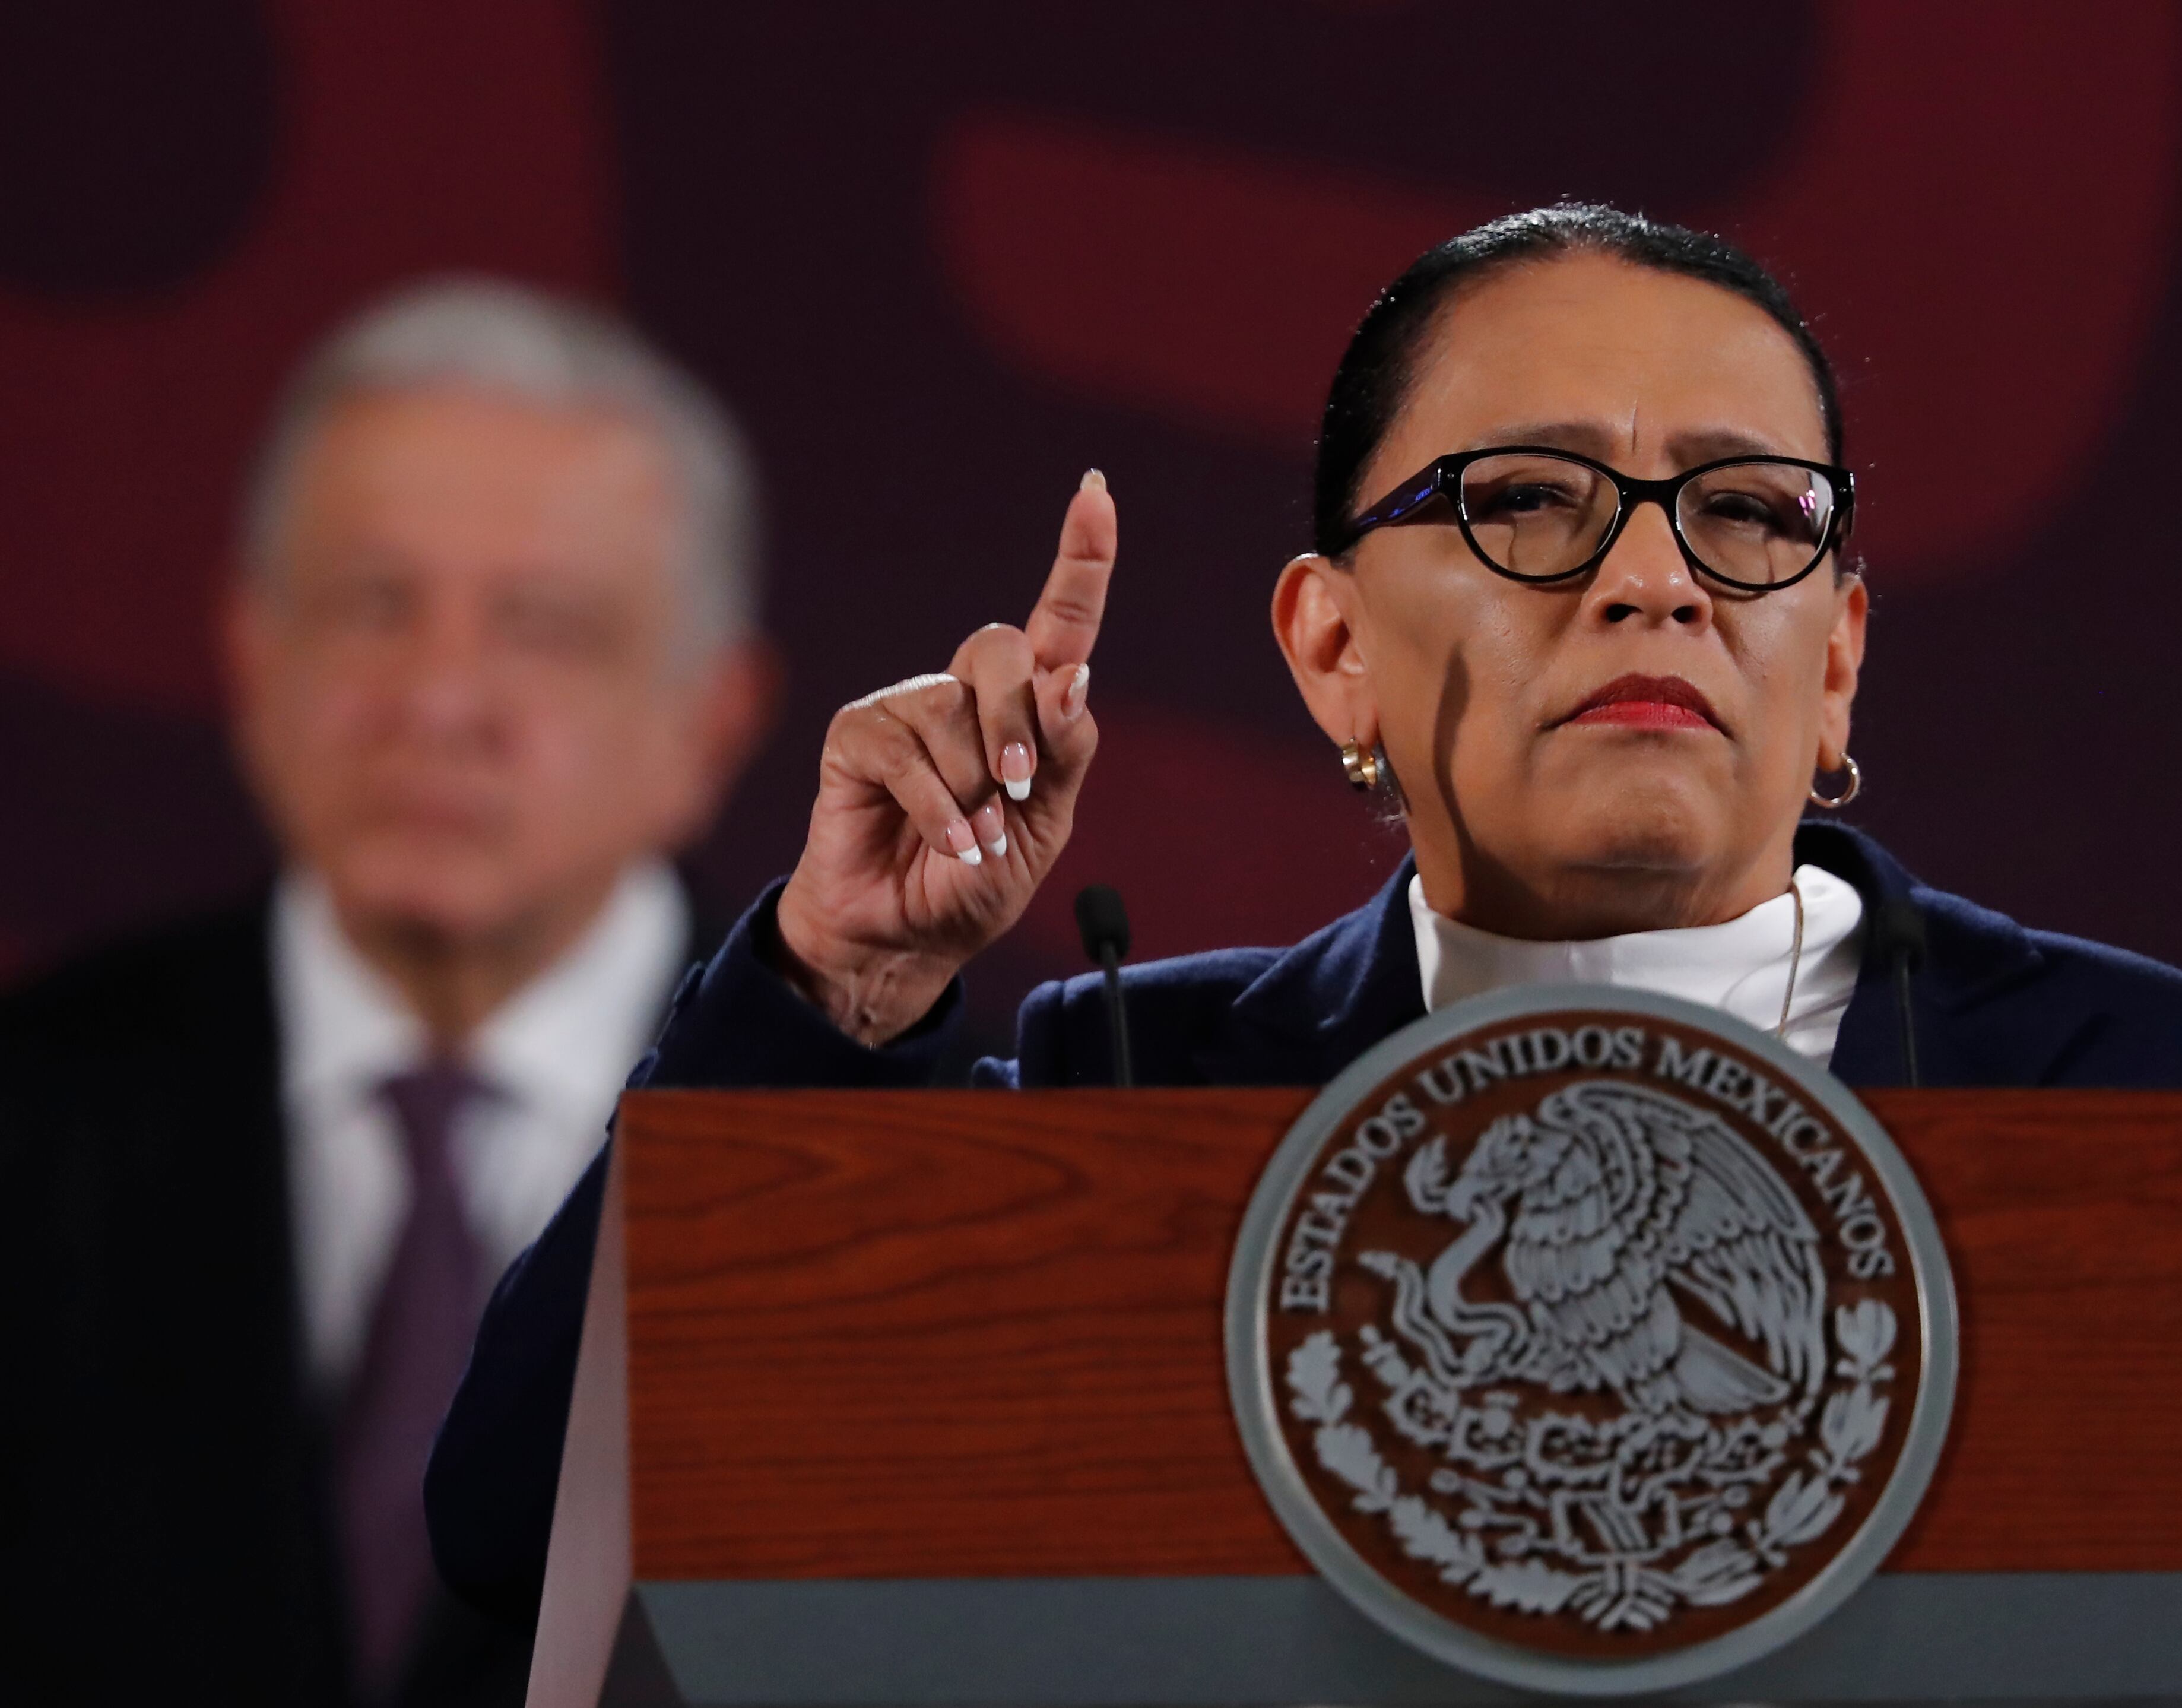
1534 513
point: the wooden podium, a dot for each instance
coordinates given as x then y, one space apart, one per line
918 1398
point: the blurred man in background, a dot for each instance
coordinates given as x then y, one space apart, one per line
493 658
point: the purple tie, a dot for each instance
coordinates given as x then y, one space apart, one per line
419 1339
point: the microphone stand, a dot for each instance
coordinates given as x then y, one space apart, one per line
1105 925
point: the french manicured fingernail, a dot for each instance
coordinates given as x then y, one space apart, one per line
1092 481
1075 693
1015 771
992 829
964 841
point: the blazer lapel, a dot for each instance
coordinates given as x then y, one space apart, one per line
1972 1027
1868 1050
1326 1000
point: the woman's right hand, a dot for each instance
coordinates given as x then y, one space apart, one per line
943 800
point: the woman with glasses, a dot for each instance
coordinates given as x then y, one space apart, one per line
1578 608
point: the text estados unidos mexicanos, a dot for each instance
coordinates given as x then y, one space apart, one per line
1307 1267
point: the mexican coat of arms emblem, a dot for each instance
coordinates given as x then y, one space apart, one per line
1590 1341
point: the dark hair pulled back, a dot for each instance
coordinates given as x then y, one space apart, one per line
1372 383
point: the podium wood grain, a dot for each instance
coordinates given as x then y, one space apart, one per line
879 1334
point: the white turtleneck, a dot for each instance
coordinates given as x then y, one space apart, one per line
1741 965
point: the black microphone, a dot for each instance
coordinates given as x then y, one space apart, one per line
1898 934
1104 923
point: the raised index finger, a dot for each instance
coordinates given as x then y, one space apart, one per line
1064 623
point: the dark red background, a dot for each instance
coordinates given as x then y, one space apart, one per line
941 259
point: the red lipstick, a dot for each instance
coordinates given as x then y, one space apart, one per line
1647 702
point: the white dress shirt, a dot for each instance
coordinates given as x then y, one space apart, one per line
554 1057
1741 965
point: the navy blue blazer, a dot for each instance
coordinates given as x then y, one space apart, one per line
1991 1004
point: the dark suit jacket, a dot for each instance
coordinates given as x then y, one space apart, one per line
1993 1004
164 1524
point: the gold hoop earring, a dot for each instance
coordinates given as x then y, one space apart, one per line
1360 765
1834 803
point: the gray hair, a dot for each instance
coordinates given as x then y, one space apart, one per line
509 339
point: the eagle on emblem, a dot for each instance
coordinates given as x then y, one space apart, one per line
1616 1208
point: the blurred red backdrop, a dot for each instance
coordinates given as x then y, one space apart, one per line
940 259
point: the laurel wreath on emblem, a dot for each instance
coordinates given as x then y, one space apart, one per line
1670 1489
1607 1204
